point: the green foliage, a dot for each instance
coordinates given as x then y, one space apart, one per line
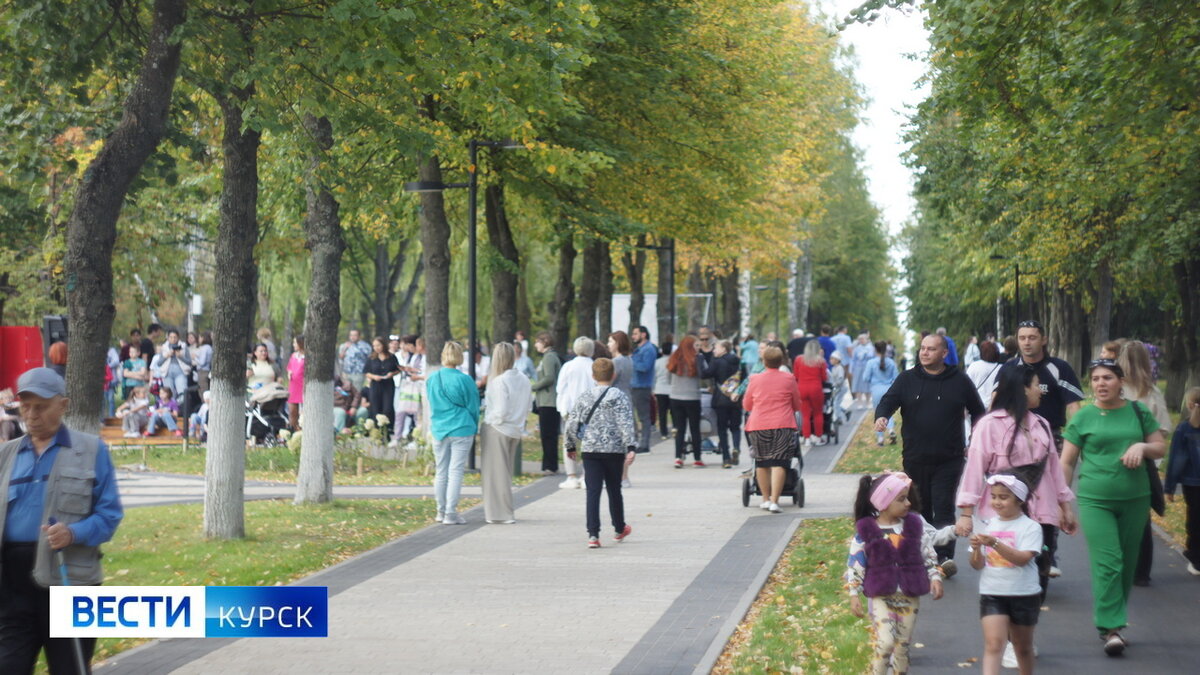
1061 138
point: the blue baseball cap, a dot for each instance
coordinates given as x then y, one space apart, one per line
42 382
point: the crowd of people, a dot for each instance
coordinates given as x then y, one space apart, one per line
1038 460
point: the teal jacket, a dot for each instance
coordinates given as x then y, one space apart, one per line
453 403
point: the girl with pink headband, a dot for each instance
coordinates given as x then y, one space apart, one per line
893 563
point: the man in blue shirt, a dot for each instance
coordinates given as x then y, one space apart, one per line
49 473
951 348
644 356
828 346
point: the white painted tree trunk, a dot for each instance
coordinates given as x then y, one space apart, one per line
792 316
744 295
225 463
315 481
804 285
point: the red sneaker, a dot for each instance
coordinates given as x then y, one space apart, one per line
679 464
593 542
620 536
698 464
178 433
146 434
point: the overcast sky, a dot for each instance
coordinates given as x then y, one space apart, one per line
890 80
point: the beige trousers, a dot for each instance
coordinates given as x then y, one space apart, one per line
498 454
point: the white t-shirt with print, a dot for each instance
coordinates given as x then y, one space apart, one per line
1001 577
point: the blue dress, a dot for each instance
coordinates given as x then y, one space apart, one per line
858 363
879 380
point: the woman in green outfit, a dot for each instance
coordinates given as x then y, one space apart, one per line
1110 440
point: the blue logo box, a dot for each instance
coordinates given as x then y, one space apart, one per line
266 611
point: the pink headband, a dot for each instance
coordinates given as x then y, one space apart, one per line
891 485
1014 484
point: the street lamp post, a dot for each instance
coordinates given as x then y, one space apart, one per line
472 186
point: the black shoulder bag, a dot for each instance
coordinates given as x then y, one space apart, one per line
1030 474
582 430
1158 499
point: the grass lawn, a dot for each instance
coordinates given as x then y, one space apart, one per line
801 621
163 545
864 456
281 464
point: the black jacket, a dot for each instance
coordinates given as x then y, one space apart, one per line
933 408
718 369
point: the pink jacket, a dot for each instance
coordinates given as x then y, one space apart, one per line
988 454
772 399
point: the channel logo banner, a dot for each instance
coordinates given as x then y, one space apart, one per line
189 611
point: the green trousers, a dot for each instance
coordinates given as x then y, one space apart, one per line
1113 529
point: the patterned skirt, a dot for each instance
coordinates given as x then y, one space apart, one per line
773 447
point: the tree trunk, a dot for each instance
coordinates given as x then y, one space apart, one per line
1100 319
804 284
666 291
92 227
604 302
564 295
435 252
233 309
1187 281
314 484
793 302
695 304
635 270
505 270
524 312
381 299
731 303
1066 320
410 293
744 291
589 290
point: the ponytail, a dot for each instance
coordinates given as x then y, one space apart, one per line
881 349
863 508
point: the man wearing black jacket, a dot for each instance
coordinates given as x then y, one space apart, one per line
932 398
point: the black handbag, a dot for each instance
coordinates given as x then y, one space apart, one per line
1158 498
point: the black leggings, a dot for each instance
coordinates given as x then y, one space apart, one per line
686 414
548 425
663 402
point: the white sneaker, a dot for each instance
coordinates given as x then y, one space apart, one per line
393 444
453 518
439 516
625 483
774 508
571 483
1192 570
1009 660
765 506
1055 572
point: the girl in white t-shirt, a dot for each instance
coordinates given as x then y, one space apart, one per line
1005 548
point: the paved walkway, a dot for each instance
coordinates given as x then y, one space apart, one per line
532 597
1162 632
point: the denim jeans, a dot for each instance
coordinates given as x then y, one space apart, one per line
450 456
165 418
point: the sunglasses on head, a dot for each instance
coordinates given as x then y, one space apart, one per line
1106 363
1030 323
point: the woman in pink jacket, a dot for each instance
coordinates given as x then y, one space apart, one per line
1027 451
772 400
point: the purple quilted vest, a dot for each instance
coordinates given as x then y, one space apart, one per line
889 567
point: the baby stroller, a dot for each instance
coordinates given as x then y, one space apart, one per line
793 484
266 414
832 419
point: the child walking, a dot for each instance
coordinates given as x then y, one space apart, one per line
893 563
1183 468
1009 593
602 422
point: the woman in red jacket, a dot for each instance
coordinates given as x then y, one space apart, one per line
772 401
811 371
